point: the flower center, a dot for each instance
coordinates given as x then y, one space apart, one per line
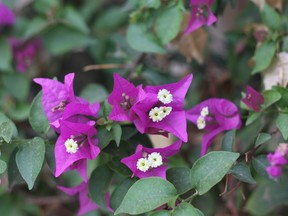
126 104
61 106
204 111
142 164
201 123
71 146
202 11
165 96
155 159
159 113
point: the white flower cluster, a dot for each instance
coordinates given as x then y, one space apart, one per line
152 161
159 113
71 146
165 96
201 123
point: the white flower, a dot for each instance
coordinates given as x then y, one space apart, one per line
205 111
155 159
71 146
201 124
165 96
156 114
143 164
165 110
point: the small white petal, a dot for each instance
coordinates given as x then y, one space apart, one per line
156 114
71 146
165 110
155 159
142 164
165 96
201 124
205 111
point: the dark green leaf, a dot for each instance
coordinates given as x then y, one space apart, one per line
37 117
180 178
98 184
161 213
5 55
117 133
76 20
94 93
4 118
210 169
285 44
268 196
264 56
35 27
262 138
6 132
252 117
228 141
119 193
14 176
30 159
19 91
185 209
50 156
104 137
146 195
150 3
3 166
281 123
168 23
116 165
271 18
260 164
140 38
242 172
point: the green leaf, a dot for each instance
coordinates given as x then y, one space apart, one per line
150 3
283 102
140 38
260 164
210 169
161 213
50 156
116 165
94 93
14 176
34 27
117 133
271 18
6 132
4 118
228 141
281 123
19 91
119 193
168 23
5 55
180 178
263 56
262 138
98 184
185 209
253 117
104 137
242 172
145 195
30 159
106 109
75 20
268 196
61 39
270 97
3 166
285 44
37 117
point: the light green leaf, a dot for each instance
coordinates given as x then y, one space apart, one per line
285 44
270 97
260 164
210 169
5 55
117 133
140 38
34 27
14 176
75 20
161 213
281 123
30 159
268 196
3 166
253 117
6 132
37 117
4 118
264 56
242 172
119 193
106 109
150 3
98 184
145 195
168 23
185 209
271 18
180 178
94 93
228 141
262 138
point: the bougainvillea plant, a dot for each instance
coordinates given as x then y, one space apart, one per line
148 107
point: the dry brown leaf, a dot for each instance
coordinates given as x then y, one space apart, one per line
277 73
192 46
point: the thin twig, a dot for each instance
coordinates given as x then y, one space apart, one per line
103 67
